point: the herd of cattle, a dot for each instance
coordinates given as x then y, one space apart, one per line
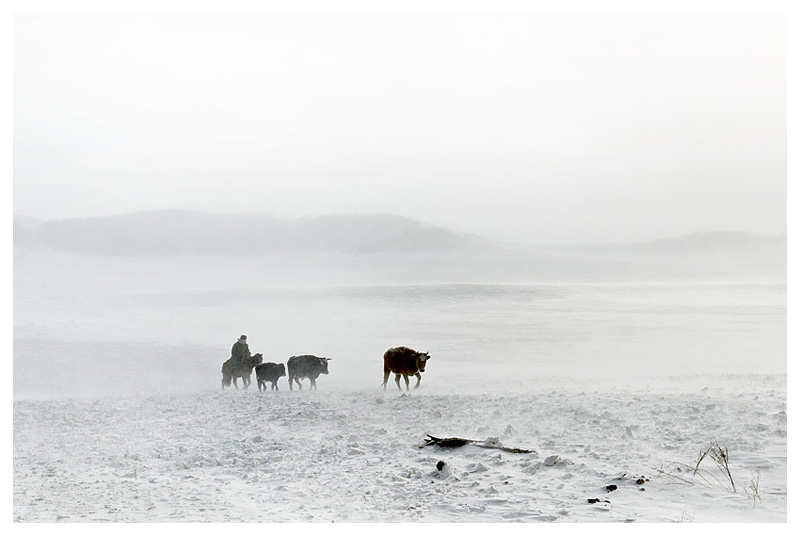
400 361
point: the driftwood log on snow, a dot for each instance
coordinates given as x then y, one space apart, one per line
453 442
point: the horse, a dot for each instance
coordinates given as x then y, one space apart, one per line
230 372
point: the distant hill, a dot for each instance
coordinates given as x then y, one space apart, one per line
171 249
23 236
27 223
180 232
25 230
714 244
177 232
730 246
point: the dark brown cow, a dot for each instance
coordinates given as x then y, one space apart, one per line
403 361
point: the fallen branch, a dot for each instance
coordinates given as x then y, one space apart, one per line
454 442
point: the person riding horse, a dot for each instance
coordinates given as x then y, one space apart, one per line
240 364
240 351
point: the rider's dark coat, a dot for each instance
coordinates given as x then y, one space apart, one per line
239 352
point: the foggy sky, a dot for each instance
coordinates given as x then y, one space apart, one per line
529 128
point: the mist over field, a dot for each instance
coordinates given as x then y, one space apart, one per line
165 294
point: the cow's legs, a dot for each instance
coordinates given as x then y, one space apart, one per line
405 377
397 381
386 374
313 384
235 384
419 379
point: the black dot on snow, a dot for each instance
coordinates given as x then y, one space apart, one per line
440 465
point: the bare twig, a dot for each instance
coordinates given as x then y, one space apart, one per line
752 489
703 455
720 456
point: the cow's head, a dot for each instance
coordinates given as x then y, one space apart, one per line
257 359
282 370
323 361
422 358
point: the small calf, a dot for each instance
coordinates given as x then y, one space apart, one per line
269 372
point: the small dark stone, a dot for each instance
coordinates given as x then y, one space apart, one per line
611 488
440 465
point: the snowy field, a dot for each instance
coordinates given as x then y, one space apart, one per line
616 390
355 456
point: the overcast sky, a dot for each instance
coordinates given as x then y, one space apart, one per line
529 128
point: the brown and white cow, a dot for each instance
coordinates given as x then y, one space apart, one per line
406 362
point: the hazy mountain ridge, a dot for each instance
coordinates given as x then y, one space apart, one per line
26 222
175 232
174 250
712 245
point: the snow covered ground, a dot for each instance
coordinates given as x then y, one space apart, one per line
356 456
118 414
